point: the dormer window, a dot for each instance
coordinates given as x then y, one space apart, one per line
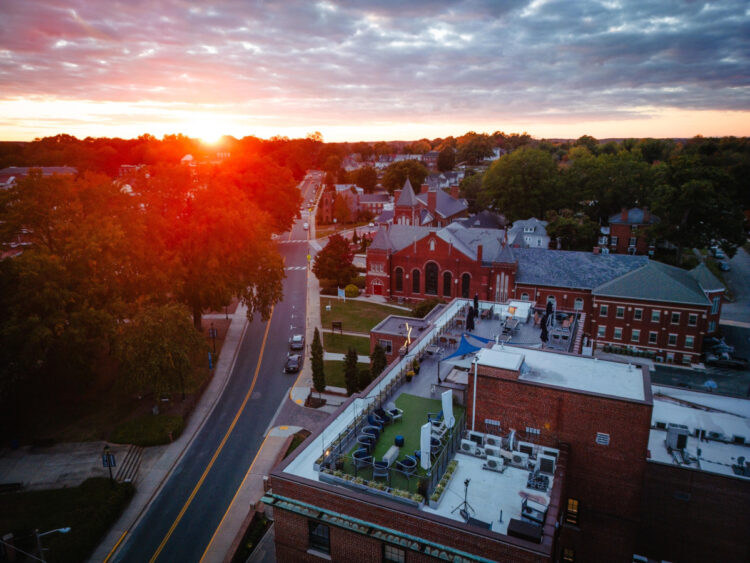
528 229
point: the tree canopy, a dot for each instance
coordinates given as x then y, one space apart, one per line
396 174
334 261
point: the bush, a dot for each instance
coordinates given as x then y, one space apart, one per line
359 281
421 309
351 291
329 291
149 430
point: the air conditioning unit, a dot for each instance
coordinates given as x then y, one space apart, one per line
494 464
476 437
468 447
527 447
491 440
545 464
492 451
520 459
677 435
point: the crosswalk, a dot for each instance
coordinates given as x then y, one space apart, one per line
295 268
295 241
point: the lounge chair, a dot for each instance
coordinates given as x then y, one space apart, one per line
362 459
408 466
380 469
382 416
372 420
395 413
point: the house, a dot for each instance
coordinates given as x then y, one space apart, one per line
430 159
529 233
616 295
628 232
349 194
431 207
11 174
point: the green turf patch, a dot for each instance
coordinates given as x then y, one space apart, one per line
334 370
149 430
340 343
89 510
355 316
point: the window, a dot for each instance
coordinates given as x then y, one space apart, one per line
655 316
613 240
571 514
670 357
386 345
603 311
393 554
632 241
578 304
675 318
399 279
568 555
465 286
672 339
711 326
378 267
637 314
635 335
319 536
620 312
601 331
652 337
447 280
432 246
686 359
715 302
618 333
689 341
551 299
431 279
524 297
415 281
602 439
692 319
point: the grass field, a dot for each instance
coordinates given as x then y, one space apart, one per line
340 343
356 316
334 370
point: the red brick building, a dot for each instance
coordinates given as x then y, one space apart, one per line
430 208
414 263
628 232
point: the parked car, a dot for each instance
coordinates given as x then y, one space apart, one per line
293 363
305 226
297 342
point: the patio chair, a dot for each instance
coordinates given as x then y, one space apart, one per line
380 469
395 413
439 430
435 417
382 416
373 431
366 441
373 421
408 466
362 459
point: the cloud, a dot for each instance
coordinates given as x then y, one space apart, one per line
331 62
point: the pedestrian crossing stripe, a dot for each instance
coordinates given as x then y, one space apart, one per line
296 268
295 241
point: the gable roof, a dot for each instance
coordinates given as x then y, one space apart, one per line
407 197
567 268
635 217
467 241
398 237
656 282
485 220
445 204
706 279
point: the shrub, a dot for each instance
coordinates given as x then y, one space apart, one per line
351 290
359 281
421 309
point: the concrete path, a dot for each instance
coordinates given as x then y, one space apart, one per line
341 357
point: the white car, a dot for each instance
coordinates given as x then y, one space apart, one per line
305 226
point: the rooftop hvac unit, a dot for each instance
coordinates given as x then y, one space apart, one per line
494 464
520 459
468 447
527 448
492 451
551 452
492 440
545 464
677 435
476 437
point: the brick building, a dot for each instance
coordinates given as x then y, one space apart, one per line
628 232
413 263
432 207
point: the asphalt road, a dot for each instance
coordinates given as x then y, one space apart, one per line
179 524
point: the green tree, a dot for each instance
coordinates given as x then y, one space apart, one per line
316 362
334 261
446 159
366 178
573 231
363 378
396 174
351 371
378 361
523 183
470 189
473 147
158 351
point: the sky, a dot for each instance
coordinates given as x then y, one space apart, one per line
369 70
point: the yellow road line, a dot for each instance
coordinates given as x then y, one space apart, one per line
122 537
233 499
218 450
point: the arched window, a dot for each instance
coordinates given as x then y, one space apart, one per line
447 280
399 279
415 281
551 299
432 247
465 285
524 297
431 279
578 305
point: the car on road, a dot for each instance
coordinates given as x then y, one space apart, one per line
297 342
293 363
305 226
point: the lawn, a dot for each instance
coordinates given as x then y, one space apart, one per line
340 343
89 510
356 316
415 415
334 370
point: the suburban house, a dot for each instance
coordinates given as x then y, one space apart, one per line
628 232
429 208
529 233
615 296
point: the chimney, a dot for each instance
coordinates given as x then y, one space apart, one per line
646 215
425 188
479 253
454 191
624 215
431 201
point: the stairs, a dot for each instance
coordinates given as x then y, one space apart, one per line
128 470
579 333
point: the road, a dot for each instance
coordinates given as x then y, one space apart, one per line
179 524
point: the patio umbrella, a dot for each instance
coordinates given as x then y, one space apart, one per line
447 400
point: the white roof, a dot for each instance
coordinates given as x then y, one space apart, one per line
573 372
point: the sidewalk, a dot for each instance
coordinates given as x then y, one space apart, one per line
160 461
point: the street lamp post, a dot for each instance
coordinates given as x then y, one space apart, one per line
39 540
